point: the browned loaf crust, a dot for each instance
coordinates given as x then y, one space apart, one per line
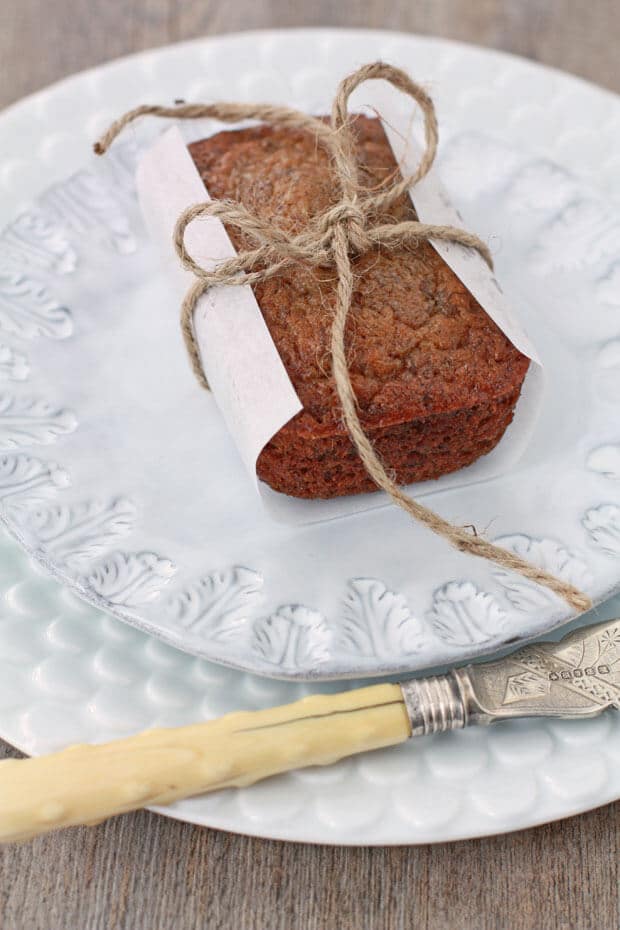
436 380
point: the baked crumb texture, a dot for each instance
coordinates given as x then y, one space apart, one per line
436 380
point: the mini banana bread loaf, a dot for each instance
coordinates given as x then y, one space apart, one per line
435 379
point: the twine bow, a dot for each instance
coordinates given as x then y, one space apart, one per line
349 228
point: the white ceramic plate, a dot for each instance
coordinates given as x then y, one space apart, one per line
117 473
69 672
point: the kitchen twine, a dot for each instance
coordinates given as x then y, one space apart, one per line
349 228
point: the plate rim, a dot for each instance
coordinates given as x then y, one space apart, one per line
483 50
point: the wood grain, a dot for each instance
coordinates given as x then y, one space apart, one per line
575 35
143 872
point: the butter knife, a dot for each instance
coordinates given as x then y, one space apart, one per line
579 676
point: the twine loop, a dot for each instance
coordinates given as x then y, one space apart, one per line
349 228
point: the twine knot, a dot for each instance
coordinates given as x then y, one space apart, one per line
352 217
347 229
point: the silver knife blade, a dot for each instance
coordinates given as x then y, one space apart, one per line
579 676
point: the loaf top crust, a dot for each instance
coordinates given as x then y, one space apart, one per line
418 343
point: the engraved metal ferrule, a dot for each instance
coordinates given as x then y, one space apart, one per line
434 704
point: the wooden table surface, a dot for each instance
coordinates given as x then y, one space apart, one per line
146 872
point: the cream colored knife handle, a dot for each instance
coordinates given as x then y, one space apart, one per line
86 784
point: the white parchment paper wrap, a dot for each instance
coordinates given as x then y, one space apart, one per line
248 380
244 370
